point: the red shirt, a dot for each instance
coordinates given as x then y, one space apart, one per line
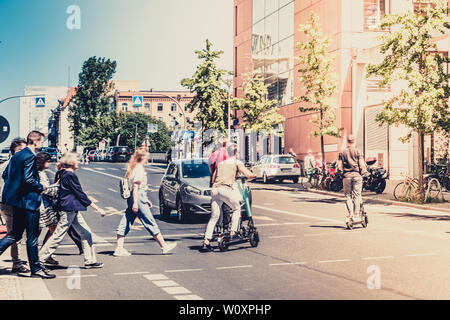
218 156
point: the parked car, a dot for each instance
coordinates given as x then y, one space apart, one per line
108 154
117 154
91 155
4 155
185 188
53 152
277 167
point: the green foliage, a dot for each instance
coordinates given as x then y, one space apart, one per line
211 97
258 112
317 79
93 98
411 55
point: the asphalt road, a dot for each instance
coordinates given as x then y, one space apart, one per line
305 251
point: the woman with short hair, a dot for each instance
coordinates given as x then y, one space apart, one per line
71 200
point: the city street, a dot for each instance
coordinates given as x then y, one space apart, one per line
305 251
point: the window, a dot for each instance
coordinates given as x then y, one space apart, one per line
235 20
160 107
258 10
124 106
374 10
147 107
187 108
173 107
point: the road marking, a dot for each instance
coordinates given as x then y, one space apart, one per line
165 283
234 267
297 214
277 237
294 223
155 276
328 261
263 218
112 190
315 234
81 276
188 297
376 258
268 204
130 273
184 270
286 264
420 255
101 169
176 290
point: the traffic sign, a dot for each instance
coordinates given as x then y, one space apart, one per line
152 127
4 129
40 102
137 101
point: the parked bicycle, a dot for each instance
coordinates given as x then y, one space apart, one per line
409 188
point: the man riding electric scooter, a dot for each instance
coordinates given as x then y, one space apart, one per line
225 190
351 162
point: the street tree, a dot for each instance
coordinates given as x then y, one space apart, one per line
318 81
94 98
411 55
208 84
258 113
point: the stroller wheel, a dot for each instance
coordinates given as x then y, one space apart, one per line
350 224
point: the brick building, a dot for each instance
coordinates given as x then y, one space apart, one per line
265 34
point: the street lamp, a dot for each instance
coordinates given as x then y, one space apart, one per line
32 95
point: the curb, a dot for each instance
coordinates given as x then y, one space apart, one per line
385 201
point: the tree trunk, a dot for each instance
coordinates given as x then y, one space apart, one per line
322 148
420 150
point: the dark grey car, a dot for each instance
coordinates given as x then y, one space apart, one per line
185 188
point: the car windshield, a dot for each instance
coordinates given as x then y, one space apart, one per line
284 160
195 169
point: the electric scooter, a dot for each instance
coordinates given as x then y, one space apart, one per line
363 219
246 233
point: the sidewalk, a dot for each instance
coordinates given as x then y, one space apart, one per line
13 287
387 197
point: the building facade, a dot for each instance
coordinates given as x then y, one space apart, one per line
163 105
35 112
265 38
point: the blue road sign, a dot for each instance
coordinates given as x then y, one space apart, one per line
40 102
137 101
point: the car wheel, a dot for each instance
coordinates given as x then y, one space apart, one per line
164 211
181 214
295 180
265 180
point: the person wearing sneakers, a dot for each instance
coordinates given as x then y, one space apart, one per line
72 200
139 205
352 164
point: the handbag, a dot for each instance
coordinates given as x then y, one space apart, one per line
125 188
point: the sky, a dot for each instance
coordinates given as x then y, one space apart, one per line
152 41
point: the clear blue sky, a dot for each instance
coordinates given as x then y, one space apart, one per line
152 41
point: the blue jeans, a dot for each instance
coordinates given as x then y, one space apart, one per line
144 214
24 220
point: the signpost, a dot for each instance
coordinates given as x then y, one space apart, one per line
4 129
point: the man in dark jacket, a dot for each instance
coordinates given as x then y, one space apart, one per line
22 191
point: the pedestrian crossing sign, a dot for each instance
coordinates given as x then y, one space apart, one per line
40 102
137 101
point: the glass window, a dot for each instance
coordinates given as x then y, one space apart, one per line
286 54
160 107
374 10
284 160
286 21
271 29
147 107
270 6
286 87
258 41
187 108
173 107
272 88
258 10
270 66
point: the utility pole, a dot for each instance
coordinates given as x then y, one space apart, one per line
135 138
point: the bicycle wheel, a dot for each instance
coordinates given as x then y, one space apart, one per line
433 189
401 190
